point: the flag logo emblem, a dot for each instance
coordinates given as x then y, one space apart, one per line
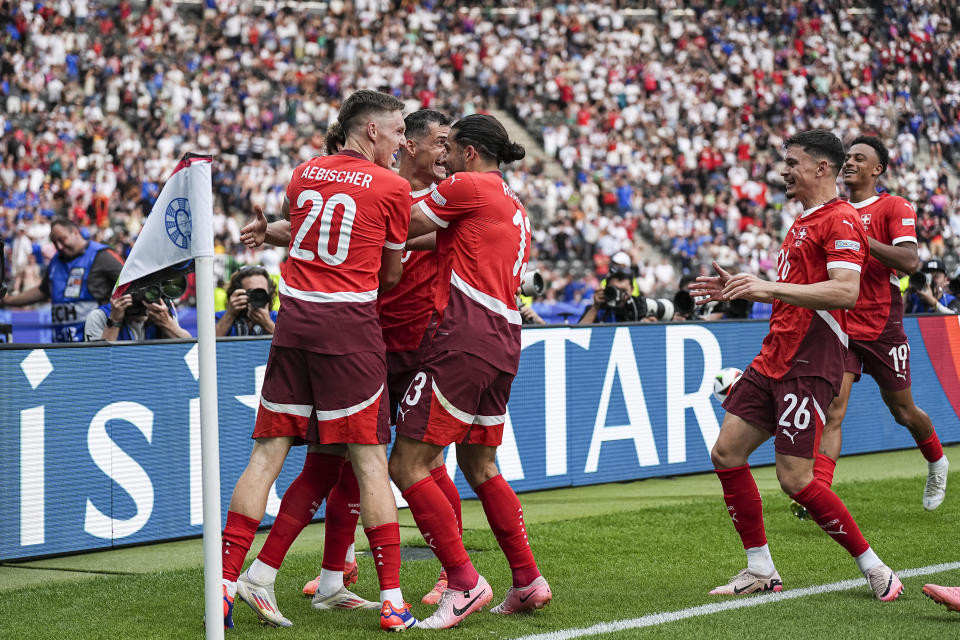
178 222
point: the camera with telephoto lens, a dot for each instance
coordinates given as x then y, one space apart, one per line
169 283
532 284
659 308
258 298
920 280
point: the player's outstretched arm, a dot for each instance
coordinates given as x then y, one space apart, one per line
710 288
258 231
839 292
902 257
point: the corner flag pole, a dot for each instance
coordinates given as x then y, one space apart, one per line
210 450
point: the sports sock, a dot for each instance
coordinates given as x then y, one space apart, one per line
438 524
759 561
868 560
743 504
300 502
237 538
930 448
261 573
340 525
445 482
823 468
393 596
829 512
330 581
505 515
385 546
351 553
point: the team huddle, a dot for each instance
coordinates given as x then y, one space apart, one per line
390 316
399 308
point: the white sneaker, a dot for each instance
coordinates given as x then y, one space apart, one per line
261 599
936 489
342 599
884 582
748 582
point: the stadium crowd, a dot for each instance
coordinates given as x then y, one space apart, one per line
665 121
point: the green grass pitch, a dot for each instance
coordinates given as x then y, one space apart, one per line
611 552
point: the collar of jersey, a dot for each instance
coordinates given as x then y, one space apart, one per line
807 212
351 153
863 203
423 192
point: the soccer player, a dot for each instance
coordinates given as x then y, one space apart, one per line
878 344
799 369
325 377
405 313
460 395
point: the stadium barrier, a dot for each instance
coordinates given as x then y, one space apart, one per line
100 444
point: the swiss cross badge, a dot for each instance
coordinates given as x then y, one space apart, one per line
865 218
799 235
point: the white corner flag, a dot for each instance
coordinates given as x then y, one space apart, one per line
180 228
180 224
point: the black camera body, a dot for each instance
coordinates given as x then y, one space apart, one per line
258 298
920 280
169 283
616 298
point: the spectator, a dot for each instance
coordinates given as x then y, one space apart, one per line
250 297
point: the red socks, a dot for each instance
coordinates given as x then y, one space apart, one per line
744 504
385 547
300 503
340 525
831 514
237 538
505 516
823 468
445 482
438 524
930 448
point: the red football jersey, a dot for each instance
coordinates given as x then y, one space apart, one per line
344 210
891 220
406 309
483 246
804 342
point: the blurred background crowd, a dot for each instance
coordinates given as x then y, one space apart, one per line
660 121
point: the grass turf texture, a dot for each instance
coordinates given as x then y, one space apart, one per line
610 552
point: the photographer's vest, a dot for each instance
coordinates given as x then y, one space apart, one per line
70 299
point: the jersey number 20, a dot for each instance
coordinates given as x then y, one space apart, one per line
338 201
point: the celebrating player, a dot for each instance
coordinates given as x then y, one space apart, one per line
325 376
406 310
878 344
460 395
405 313
799 369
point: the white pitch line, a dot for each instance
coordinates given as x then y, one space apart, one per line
655 619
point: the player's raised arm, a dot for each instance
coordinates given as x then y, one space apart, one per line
258 231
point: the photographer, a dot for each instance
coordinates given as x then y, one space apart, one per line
124 319
927 290
250 296
615 302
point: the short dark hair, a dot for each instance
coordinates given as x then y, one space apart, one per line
364 103
819 143
334 139
485 134
65 222
245 272
873 141
418 122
